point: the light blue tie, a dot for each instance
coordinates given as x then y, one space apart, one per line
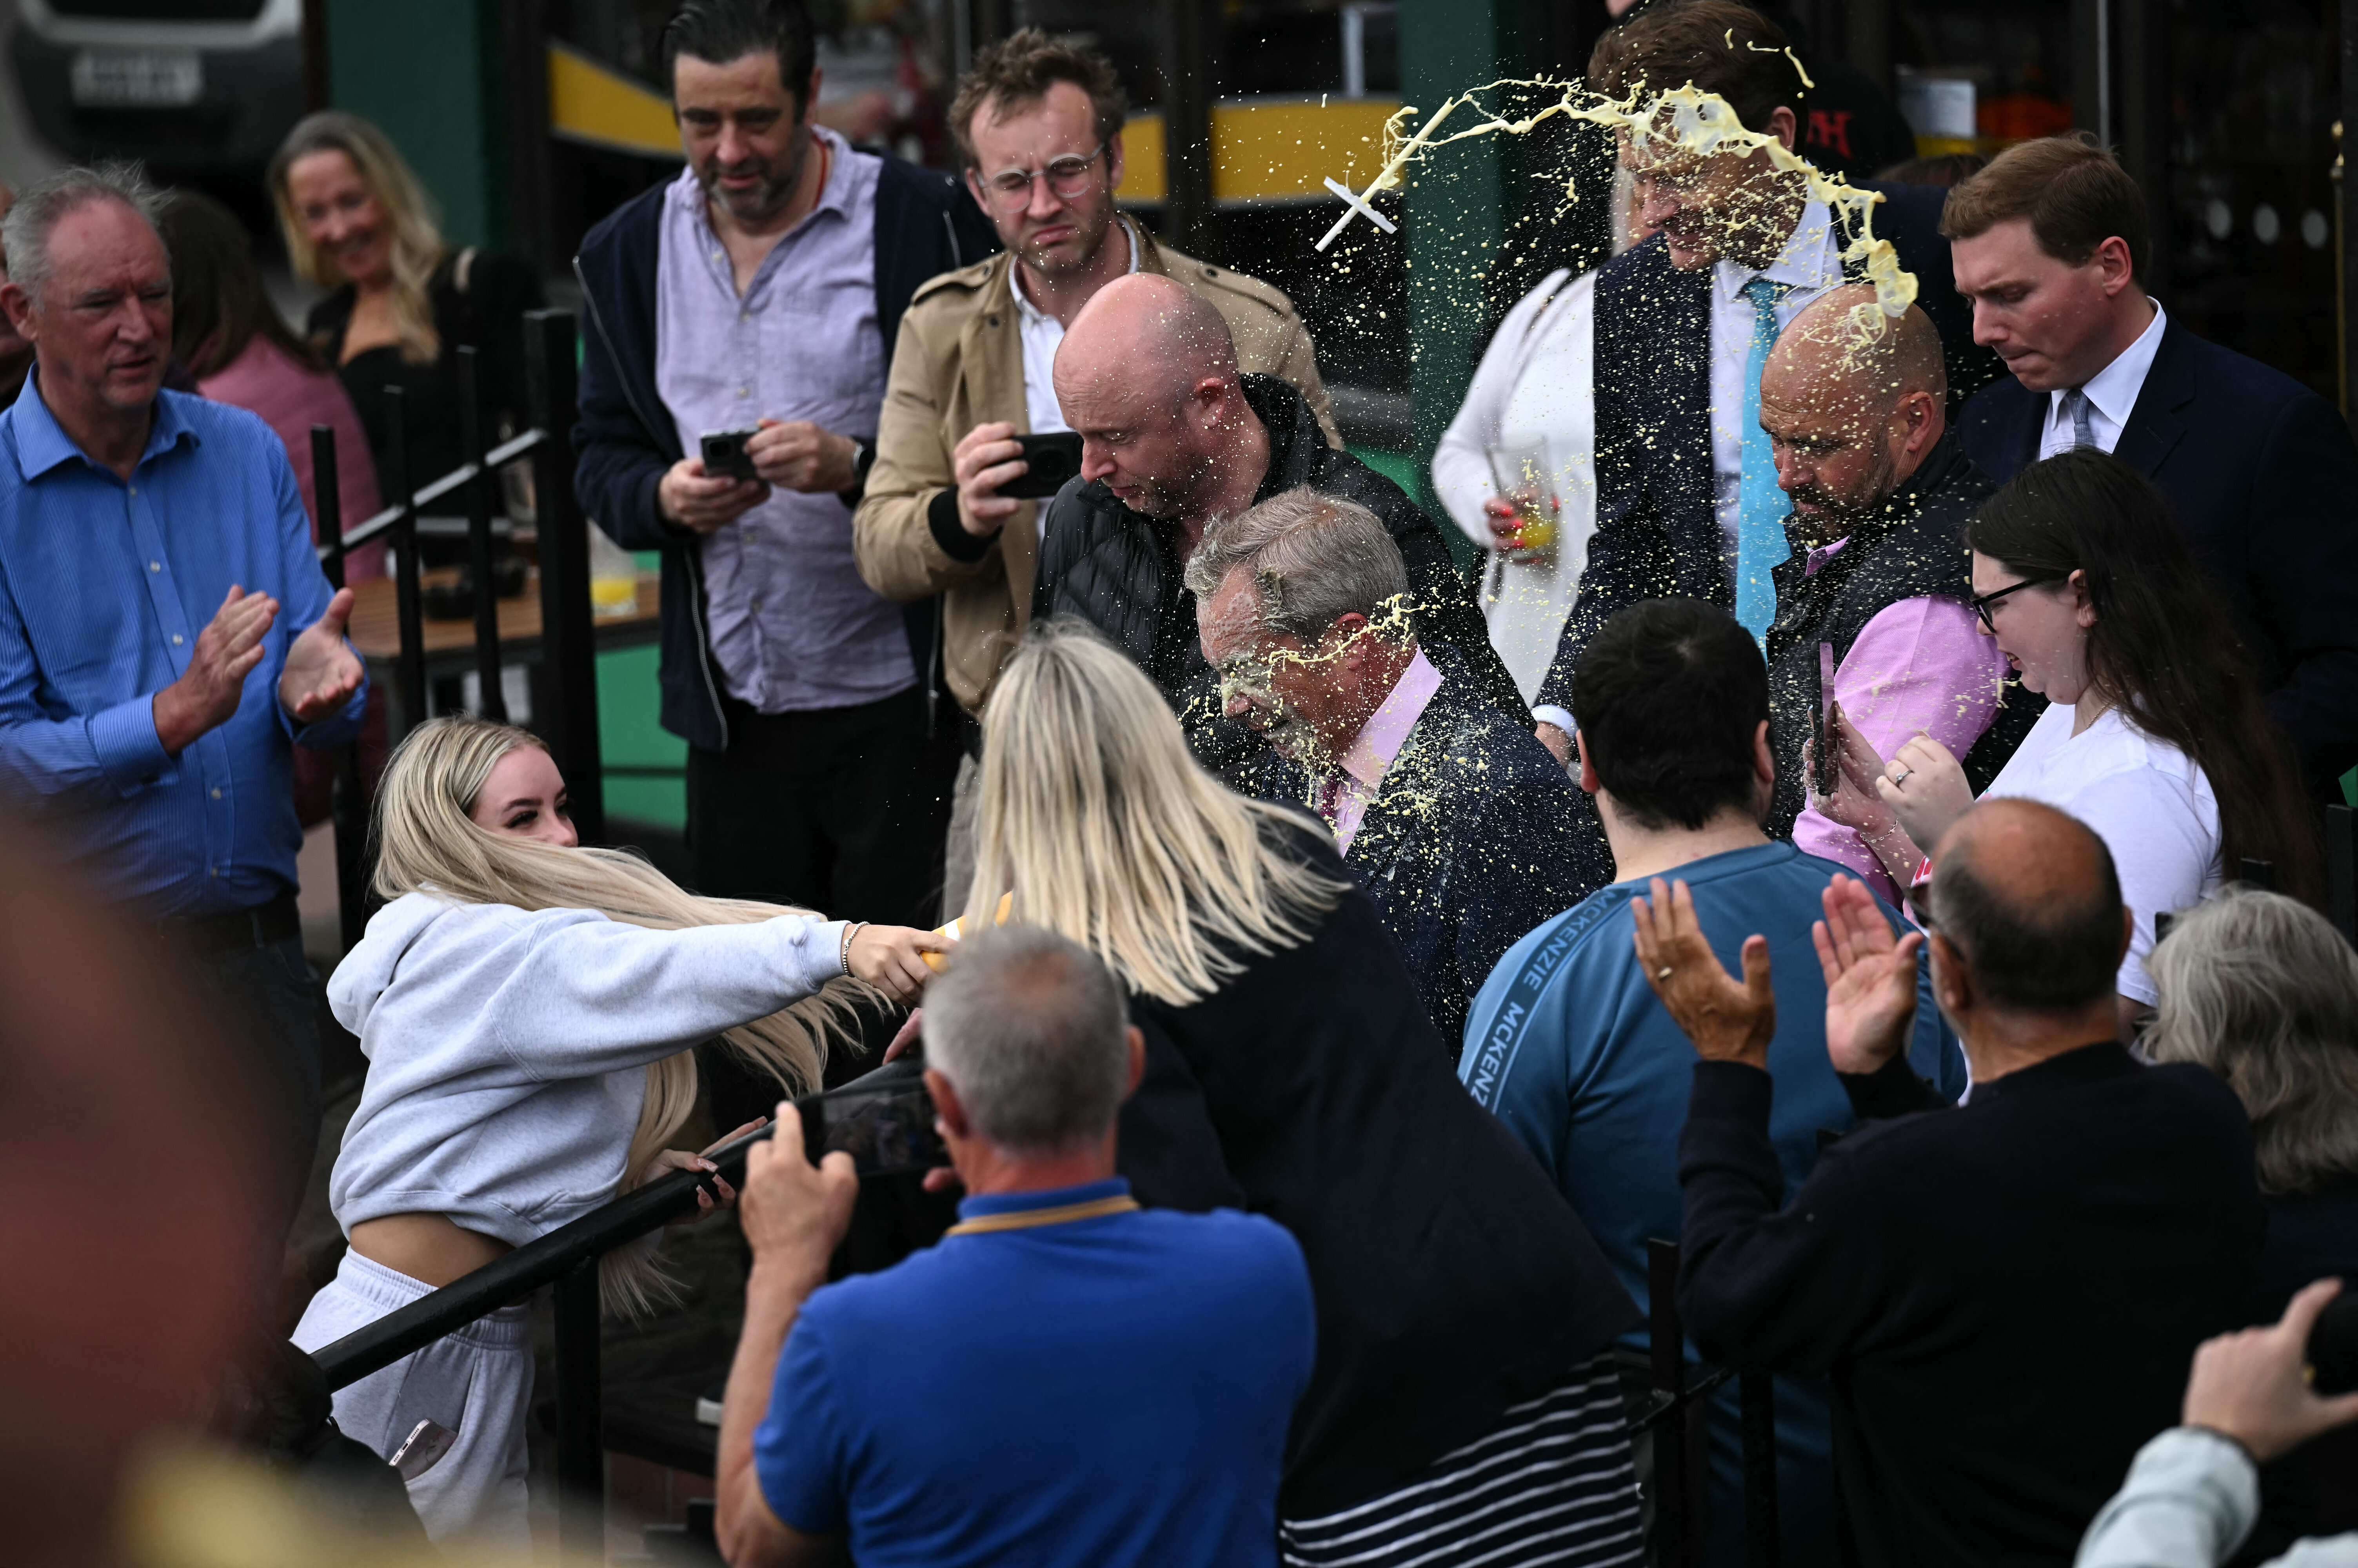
1760 507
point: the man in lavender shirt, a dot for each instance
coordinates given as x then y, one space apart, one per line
1879 573
1451 815
762 290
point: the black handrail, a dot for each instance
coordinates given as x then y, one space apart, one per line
1681 1453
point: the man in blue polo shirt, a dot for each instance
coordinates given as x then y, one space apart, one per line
1066 1378
1566 1042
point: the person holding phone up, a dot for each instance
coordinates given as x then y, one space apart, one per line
1872 608
949 506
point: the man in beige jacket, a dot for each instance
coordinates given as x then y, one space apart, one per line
1039 129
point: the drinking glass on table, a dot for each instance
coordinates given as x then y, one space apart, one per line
1523 512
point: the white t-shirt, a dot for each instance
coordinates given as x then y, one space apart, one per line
2145 798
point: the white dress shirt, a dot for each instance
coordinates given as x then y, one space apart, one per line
2112 393
1811 265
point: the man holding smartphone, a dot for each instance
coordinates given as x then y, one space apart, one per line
740 321
1039 131
1872 609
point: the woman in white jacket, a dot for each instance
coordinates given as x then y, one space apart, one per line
529 1009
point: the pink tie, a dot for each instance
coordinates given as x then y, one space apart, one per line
1330 799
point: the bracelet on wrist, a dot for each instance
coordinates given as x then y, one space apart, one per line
851 929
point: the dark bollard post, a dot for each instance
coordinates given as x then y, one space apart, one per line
1666 1343
1756 1395
409 683
581 1418
493 704
568 637
2342 870
347 802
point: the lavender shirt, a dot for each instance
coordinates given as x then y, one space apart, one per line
793 627
1923 666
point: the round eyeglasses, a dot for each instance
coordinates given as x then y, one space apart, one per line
1010 189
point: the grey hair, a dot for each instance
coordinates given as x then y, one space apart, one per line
1031 1031
1314 558
49 200
2261 989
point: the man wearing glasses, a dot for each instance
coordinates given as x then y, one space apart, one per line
1038 126
761 292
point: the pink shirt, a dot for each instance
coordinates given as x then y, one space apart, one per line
1343 795
1923 666
292 397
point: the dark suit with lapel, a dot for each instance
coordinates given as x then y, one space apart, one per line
1656 528
1469 844
2263 476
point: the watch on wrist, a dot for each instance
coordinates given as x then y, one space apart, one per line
863 458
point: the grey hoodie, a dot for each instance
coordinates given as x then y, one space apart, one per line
506 1048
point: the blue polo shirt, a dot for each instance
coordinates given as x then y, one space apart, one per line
1095 1392
105 585
1570 1047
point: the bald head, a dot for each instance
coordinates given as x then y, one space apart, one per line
1147 332
1854 400
1836 348
1147 376
2027 897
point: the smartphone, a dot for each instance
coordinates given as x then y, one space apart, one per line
426 1442
1053 458
724 454
886 1129
1825 771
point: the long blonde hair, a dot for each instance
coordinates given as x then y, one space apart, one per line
426 840
418 245
1098 819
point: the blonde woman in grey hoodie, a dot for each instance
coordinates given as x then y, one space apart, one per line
529 1009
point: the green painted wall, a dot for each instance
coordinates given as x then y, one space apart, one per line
429 72
1456 207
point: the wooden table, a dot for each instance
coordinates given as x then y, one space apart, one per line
375 633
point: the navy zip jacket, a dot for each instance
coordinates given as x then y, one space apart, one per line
626 439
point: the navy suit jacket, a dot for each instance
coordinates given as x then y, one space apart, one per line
2263 476
1471 843
1656 531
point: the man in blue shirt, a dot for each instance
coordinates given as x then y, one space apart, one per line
1065 1381
1566 1042
166 633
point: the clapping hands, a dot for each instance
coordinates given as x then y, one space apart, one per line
1870 978
1727 1020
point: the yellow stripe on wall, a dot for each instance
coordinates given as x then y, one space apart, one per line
1267 149
591 103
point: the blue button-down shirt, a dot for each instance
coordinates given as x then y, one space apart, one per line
104 586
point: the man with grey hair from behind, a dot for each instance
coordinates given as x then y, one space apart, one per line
166 637
1453 817
1066 1378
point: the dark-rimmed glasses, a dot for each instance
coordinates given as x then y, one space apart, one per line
1010 189
1982 602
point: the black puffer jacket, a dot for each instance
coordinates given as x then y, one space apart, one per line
1121 571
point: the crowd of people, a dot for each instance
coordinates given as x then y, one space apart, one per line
1867 835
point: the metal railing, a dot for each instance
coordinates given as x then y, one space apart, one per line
1677 1416
567 717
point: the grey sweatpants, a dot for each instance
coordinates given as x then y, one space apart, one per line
477 1382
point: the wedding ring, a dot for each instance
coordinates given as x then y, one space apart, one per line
1900 777
1663 973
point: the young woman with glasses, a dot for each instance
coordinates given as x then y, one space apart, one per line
2156 735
